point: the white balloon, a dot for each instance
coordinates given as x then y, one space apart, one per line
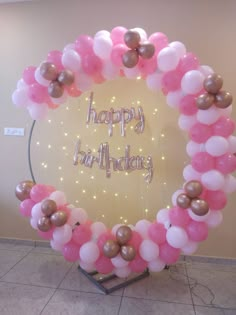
214 219
70 46
71 60
230 184
148 250
102 47
20 97
34 223
109 70
56 246
97 229
132 73
89 252
141 32
122 272
38 111
156 265
167 59
189 173
213 180
185 122
153 81
102 33
175 195
86 266
176 237
77 215
142 227
198 218
192 82
193 147
206 70
179 47
217 146
59 197
36 211
173 98
62 234
21 84
190 248
38 77
163 216
208 116
119 262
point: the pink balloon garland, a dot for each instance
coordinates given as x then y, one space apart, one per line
212 148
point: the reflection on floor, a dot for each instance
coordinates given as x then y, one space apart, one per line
36 280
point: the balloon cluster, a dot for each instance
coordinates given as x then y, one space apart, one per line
190 199
112 248
214 95
49 72
145 49
52 217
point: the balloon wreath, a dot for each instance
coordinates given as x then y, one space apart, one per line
195 90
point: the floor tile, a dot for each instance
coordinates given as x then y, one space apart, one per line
8 258
39 269
45 250
72 302
75 280
213 287
212 266
201 310
18 299
13 245
140 307
168 285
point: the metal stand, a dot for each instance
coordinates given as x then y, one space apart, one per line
98 280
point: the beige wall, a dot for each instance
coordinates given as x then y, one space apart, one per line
29 30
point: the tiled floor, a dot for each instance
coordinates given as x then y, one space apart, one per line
36 280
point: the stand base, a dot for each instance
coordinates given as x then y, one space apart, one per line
98 280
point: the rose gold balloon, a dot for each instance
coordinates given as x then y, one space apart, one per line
132 39
199 207
128 252
205 101
146 50
48 71
223 99
123 234
213 83
130 58
193 188
59 218
48 207
44 224
23 189
66 77
183 201
55 89
111 249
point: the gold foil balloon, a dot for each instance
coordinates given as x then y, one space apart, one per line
123 234
55 89
48 207
59 218
128 252
132 39
205 101
146 50
223 99
48 71
193 188
44 224
23 189
130 58
66 77
111 249
183 201
199 207
213 83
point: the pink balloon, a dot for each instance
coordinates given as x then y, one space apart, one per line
136 240
169 254
226 163
188 62
26 207
157 233
200 133
203 162
216 199
159 40
171 81
55 57
147 66
104 265
103 238
138 264
28 75
39 192
81 234
37 93
71 251
197 231
188 105
179 217
84 45
46 235
117 53
91 64
117 35
73 91
224 127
